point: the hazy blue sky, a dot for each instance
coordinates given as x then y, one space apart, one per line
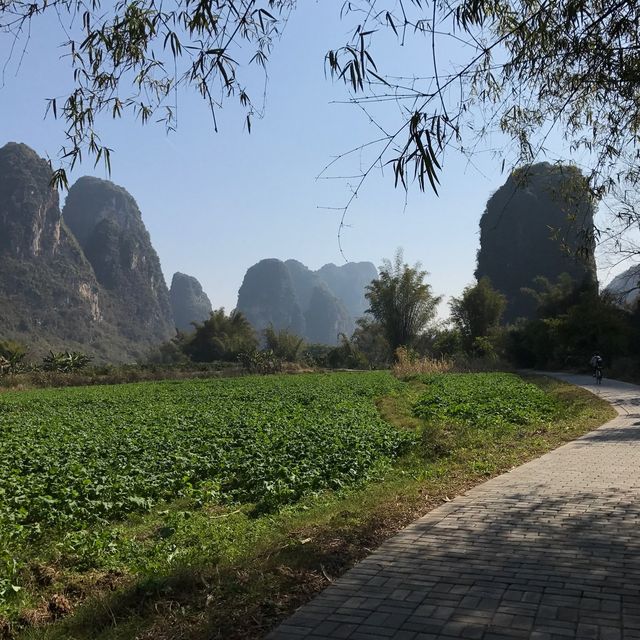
215 204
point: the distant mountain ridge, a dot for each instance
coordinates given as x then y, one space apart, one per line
625 287
87 278
316 305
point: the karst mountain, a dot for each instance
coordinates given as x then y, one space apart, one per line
319 305
84 278
539 223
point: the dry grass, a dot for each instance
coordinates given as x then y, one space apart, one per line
409 364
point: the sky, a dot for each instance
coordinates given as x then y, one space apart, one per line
216 203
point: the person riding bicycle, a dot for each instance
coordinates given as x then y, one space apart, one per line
596 363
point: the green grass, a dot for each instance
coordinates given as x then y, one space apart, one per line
206 557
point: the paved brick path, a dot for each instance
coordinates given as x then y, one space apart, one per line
550 550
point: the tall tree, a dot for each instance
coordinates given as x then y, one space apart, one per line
553 298
401 301
477 312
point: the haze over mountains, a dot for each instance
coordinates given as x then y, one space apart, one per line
317 305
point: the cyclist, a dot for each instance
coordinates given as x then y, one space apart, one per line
596 363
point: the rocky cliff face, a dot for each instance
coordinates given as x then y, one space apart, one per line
326 318
108 225
101 292
304 281
317 305
49 295
29 213
625 287
537 224
189 302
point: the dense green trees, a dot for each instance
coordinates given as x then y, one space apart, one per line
401 301
220 337
477 313
572 322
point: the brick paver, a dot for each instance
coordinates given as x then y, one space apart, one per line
548 551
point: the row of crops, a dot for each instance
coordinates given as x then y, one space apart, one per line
482 400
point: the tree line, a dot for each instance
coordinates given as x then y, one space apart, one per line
571 321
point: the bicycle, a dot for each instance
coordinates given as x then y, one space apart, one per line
598 375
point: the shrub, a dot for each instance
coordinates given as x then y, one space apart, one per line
316 355
263 362
346 356
284 345
220 337
12 355
65 361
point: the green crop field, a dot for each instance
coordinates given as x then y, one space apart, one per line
483 400
81 457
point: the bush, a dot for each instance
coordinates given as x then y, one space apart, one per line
283 344
65 361
169 353
12 355
263 362
316 355
220 337
346 356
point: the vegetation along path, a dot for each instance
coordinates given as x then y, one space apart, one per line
549 550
